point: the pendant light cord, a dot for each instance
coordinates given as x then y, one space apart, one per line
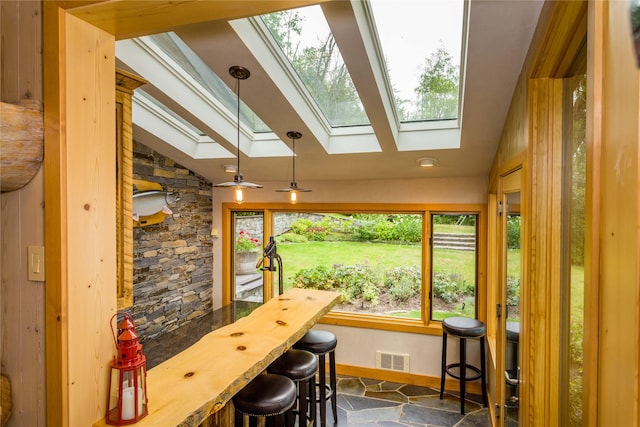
294 160
238 130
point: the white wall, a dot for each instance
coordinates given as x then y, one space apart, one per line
357 346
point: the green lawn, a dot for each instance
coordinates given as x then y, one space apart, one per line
380 257
452 228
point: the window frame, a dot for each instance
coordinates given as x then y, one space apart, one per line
359 320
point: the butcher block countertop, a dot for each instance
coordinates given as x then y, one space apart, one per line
185 389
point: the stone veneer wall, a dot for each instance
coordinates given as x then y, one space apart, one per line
172 272
253 224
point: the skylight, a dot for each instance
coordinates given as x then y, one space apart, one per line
421 43
191 64
304 37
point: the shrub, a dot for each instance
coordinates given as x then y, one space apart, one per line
513 232
403 282
291 238
319 277
316 233
299 226
385 230
513 291
353 282
408 228
363 231
450 288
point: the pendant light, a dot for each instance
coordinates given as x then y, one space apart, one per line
293 189
238 184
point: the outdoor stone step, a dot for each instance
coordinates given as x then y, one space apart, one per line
456 241
249 287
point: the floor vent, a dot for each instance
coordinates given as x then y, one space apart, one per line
394 362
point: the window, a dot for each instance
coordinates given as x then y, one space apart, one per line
454 264
378 259
573 249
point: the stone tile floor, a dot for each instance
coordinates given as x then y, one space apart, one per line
374 403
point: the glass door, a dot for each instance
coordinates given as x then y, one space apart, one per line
512 307
510 297
247 278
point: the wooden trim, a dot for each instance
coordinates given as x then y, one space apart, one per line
493 276
557 40
125 84
123 18
545 154
55 200
619 215
79 216
595 53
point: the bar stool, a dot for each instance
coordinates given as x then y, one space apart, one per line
463 328
511 371
267 395
300 366
322 343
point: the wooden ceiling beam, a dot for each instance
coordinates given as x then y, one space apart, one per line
126 19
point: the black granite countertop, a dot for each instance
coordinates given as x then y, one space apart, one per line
161 348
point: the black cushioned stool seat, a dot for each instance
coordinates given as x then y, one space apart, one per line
322 343
463 328
300 366
267 395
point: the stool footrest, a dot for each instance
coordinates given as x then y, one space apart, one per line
457 376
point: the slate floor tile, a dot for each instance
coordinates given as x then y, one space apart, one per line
364 402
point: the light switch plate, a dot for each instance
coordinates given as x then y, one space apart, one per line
35 255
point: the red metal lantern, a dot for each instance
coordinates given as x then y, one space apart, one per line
127 401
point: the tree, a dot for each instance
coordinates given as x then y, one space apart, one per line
284 26
320 68
437 92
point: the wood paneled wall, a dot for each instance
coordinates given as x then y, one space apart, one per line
22 319
22 303
619 230
21 73
612 278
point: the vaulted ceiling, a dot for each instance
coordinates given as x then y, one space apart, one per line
202 136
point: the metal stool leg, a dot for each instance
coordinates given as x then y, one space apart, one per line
312 400
463 372
322 390
303 387
332 382
444 363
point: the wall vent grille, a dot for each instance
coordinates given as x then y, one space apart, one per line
394 362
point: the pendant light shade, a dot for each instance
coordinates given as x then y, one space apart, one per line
293 189
238 184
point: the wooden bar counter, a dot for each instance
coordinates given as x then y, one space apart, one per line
198 382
